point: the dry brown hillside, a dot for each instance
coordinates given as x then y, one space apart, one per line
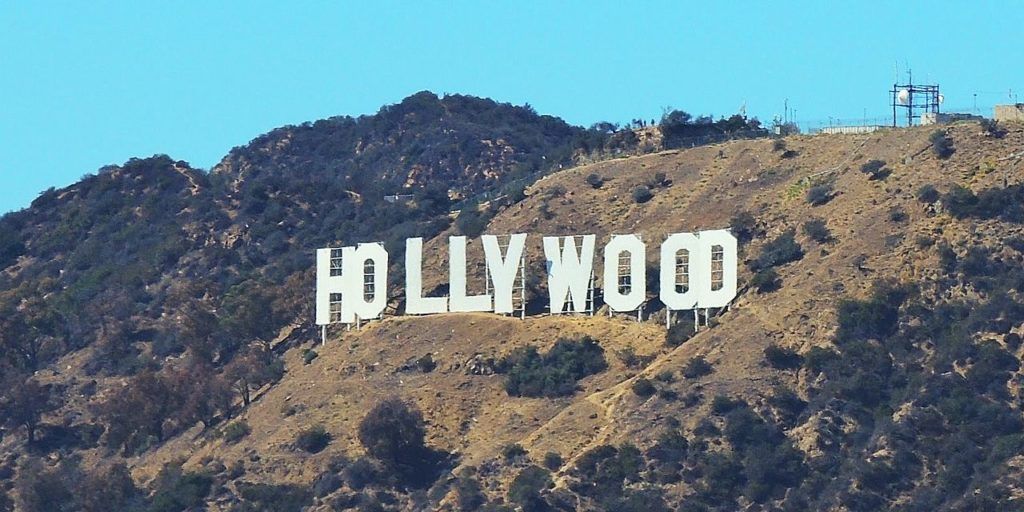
472 416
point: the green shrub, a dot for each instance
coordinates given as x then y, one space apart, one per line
279 498
426 364
696 368
765 281
552 461
779 251
313 440
927 194
177 491
875 318
308 356
817 231
234 432
594 180
513 452
527 487
722 404
642 194
529 373
471 222
744 226
819 194
897 214
469 493
643 388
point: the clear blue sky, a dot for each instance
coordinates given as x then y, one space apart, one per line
84 84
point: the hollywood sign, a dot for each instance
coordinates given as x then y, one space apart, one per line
697 271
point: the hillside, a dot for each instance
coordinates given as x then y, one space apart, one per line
870 365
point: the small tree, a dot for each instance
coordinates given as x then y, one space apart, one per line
393 431
252 369
248 314
23 404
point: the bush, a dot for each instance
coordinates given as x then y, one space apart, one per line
783 249
177 491
643 388
528 373
778 145
766 281
279 498
527 487
927 194
819 194
469 494
782 358
875 169
942 145
552 461
313 440
897 214
991 128
234 432
308 356
11 246
513 452
696 368
426 364
392 431
660 179
594 180
642 194
817 231
471 222
869 319
744 226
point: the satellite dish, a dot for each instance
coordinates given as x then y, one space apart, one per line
903 96
941 99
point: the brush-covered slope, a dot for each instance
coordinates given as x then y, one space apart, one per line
870 361
878 371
